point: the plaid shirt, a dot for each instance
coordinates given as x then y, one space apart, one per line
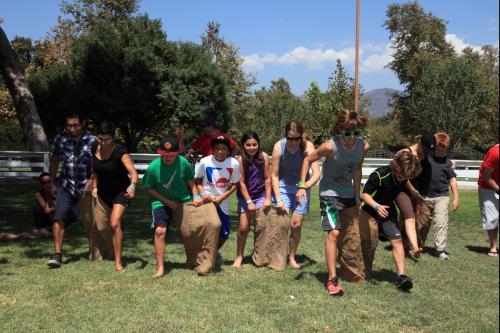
76 161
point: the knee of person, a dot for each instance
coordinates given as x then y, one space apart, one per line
160 231
243 229
115 223
333 236
397 243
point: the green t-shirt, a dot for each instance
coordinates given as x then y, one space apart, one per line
169 180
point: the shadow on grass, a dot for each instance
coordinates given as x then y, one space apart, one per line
4 261
478 249
383 275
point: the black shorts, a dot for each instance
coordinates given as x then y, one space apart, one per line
389 229
116 199
162 216
330 209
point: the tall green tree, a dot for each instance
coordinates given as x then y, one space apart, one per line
448 97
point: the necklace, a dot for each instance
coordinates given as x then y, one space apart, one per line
346 146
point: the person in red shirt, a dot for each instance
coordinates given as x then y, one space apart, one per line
203 142
488 197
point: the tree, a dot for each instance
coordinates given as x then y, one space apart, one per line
448 97
26 111
318 114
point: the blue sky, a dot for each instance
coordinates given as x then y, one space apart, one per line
293 39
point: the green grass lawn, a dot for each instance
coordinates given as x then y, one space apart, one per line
459 295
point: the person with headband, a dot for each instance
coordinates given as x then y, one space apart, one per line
340 184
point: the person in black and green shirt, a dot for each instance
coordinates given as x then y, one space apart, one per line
379 192
169 179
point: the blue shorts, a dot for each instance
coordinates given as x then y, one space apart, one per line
162 217
225 221
65 207
287 194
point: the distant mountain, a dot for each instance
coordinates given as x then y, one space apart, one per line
379 101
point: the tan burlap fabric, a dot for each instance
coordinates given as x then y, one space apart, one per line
368 231
271 238
95 216
199 230
350 256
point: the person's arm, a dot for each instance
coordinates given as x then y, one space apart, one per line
381 209
155 194
243 187
44 204
54 165
316 171
275 169
218 199
94 181
325 150
454 190
234 179
358 174
197 200
129 165
267 177
487 173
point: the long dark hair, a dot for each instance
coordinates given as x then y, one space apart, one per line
295 126
247 160
106 128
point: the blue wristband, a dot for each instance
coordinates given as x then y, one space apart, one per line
376 206
196 196
131 186
357 198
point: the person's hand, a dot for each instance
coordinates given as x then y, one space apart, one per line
280 205
267 203
172 204
358 202
206 198
382 211
94 192
198 201
88 186
130 192
217 200
301 196
251 207
455 205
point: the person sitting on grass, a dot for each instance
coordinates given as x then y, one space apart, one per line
44 207
169 180
379 193
217 176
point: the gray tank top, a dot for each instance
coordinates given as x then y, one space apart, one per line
337 172
290 165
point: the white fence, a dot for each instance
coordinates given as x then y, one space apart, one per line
20 164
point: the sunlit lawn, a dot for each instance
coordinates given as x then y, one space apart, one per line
456 295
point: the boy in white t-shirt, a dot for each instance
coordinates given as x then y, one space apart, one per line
216 177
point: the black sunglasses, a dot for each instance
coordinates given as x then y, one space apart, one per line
294 139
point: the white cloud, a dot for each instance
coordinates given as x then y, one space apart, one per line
312 58
459 44
376 62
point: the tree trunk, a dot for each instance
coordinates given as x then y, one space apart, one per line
34 134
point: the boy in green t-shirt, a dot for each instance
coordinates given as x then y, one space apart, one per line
170 181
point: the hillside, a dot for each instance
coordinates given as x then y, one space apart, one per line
379 101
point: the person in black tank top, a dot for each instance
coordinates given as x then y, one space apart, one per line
112 167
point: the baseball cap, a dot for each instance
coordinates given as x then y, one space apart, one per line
220 138
169 146
428 142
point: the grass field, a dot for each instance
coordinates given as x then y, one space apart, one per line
459 295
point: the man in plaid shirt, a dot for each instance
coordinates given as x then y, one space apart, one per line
72 147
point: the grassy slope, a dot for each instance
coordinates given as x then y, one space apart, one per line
457 295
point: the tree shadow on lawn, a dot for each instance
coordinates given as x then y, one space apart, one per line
478 249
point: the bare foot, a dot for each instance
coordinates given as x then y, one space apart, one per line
159 273
237 262
294 263
120 269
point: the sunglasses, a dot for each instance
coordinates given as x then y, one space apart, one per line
294 139
352 133
104 140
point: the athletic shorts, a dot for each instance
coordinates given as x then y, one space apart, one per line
488 203
162 217
65 207
243 207
118 199
330 209
389 229
225 221
287 194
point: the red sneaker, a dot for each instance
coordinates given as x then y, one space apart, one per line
333 287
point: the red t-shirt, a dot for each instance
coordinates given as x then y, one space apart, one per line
203 143
491 162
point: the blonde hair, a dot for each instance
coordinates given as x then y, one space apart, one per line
405 165
442 140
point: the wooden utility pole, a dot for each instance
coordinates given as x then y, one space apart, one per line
356 64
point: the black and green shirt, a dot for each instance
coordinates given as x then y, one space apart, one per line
383 187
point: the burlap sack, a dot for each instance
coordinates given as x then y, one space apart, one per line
260 221
199 230
95 216
350 256
368 231
271 238
423 222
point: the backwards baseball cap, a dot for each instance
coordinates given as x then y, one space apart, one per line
428 142
220 138
169 146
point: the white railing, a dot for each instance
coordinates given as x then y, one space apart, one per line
21 164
